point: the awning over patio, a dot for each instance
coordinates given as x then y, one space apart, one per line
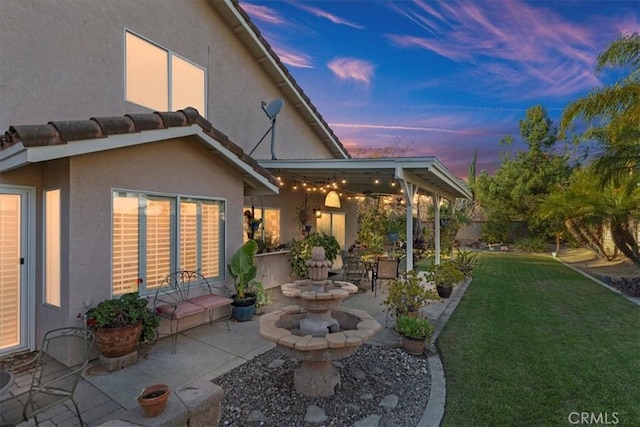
412 175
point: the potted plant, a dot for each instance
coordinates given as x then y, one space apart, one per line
415 332
395 226
120 324
406 295
243 271
445 276
300 251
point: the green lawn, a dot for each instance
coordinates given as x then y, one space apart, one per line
533 341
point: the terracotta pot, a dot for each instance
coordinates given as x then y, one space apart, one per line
153 399
413 346
116 342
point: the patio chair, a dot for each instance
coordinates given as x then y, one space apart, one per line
353 270
385 269
52 383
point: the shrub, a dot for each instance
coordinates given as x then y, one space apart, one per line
406 294
532 244
465 261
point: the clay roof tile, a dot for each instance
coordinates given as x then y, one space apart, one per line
146 121
115 125
35 135
77 129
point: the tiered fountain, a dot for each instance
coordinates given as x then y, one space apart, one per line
318 331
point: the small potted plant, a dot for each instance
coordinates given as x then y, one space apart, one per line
445 276
120 324
243 271
415 331
406 295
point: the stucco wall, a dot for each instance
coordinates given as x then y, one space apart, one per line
74 69
181 166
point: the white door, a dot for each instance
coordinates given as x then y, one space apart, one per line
15 322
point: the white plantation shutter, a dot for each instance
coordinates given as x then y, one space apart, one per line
9 270
157 241
125 244
148 225
188 236
210 240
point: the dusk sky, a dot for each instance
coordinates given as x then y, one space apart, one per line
445 78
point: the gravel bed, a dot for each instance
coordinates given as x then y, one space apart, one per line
261 391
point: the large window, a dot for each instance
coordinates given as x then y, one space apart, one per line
52 247
155 235
269 229
161 80
334 224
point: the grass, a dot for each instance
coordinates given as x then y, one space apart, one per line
533 341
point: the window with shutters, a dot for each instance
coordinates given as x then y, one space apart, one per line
155 235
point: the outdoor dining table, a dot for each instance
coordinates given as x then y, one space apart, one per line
6 381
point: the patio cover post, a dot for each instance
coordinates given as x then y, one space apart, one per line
410 191
436 237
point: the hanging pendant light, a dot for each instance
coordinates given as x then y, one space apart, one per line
332 199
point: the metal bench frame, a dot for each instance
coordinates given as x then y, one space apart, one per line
185 293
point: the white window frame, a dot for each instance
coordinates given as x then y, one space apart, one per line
171 82
52 292
331 214
176 199
259 214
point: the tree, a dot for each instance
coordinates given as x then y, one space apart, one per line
515 191
613 112
613 115
586 206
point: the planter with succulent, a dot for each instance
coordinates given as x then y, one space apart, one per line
243 271
406 295
415 331
120 324
445 275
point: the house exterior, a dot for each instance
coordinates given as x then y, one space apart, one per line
127 127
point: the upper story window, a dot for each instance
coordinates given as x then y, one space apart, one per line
159 79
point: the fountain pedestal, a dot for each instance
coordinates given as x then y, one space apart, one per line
316 378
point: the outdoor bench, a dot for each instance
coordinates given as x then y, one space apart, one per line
185 293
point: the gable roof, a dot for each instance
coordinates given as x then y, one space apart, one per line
249 35
25 144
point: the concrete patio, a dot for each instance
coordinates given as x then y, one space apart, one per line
206 352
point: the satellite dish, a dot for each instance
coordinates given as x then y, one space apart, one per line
273 108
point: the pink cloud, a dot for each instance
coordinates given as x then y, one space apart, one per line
352 69
263 13
326 15
292 58
527 45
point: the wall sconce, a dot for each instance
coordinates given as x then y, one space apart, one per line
317 212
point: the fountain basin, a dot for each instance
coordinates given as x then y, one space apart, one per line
298 287
317 376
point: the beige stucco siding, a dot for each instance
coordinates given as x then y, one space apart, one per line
74 69
181 166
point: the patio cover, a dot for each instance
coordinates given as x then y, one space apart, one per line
414 175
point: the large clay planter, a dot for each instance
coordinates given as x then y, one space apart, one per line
413 346
153 400
116 342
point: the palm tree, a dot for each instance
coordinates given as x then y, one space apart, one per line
613 111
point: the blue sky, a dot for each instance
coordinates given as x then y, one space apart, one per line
441 78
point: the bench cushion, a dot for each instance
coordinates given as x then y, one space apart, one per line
182 309
211 301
